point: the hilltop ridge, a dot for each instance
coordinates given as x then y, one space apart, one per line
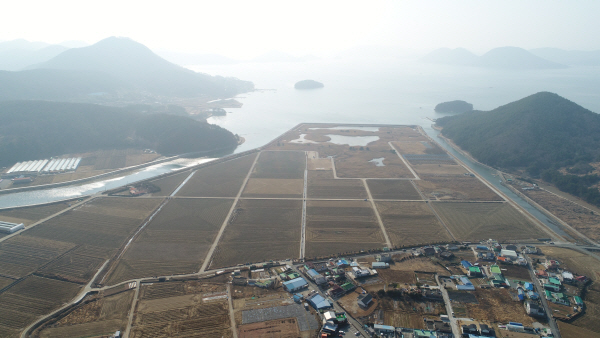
502 58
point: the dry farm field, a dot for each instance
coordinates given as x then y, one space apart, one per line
482 221
278 328
393 190
497 305
274 188
465 188
176 241
30 215
181 309
168 184
280 165
97 316
218 180
260 230
321 184
582 219
411 223
31 298
336 227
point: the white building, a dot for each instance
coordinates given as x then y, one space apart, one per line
10 228
509 253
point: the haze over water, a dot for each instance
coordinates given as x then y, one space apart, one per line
390 91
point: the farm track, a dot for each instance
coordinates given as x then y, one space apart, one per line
50 217
383 231
303 233
207 260
434 211
416 177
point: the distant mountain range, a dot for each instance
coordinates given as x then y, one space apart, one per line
501 58
113 65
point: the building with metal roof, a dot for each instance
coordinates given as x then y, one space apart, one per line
384 328
295 284
318 302
380 265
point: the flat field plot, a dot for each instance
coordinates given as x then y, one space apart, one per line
260 230
465 188
411 223
479 221
21 255
168 184
321 184
29 215
274 187
341 227
280 164
31 298
356 164
219 180
393 190
181 310
96 318
176 241
105 222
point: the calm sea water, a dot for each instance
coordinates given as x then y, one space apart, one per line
387 91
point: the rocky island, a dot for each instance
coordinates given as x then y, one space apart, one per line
308 84
453 107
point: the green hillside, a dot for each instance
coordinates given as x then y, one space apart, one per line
39 129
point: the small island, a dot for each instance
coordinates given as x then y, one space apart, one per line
453 107
308 84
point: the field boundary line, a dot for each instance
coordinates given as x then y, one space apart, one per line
49 217
405 163
122 250
80 296
132 309
427 201
303 229
231 314
208 257
385 235
182 183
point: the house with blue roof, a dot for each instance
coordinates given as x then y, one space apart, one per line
319 302
295 284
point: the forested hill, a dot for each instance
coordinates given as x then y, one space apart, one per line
538 132
39 129
541 134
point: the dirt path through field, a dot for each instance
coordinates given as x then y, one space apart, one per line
405 163
51 216
132 310
231 314
207 260
385 235
303 231
433 210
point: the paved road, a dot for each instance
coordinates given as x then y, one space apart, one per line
540 291
453 323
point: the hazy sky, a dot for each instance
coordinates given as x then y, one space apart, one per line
251 27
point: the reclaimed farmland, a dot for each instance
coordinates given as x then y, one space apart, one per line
336 227
393 190
175 241
480 221
260 230
411 223
218 180
321 184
